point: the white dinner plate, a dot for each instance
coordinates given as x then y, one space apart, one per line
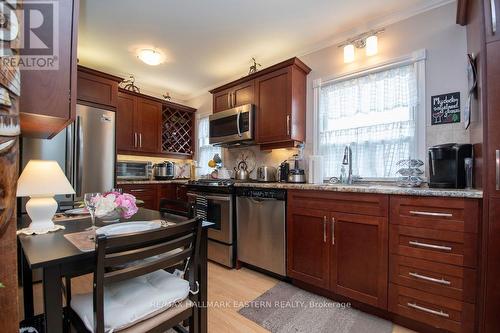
77 211
128 227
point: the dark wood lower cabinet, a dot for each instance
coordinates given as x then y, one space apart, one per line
147 193
411 260
346 254
152 194
308 246
359 258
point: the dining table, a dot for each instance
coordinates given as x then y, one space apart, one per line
57 257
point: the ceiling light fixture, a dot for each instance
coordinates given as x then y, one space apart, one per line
368 40
349 55
371 45
150 57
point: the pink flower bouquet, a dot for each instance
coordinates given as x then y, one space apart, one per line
109 202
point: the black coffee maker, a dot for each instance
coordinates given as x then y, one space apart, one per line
447 165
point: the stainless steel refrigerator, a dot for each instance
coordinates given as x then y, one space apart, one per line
85 150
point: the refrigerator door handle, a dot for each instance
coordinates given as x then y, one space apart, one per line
79 157
69 154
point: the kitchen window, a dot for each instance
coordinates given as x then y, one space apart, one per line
206 150
377 114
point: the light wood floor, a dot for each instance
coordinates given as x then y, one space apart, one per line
228 289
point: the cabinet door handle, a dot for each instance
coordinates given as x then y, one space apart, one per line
288 124
324 229
229 100
493 17
430 246
416 212
135 139
430 279
333 231
497 162
440 313
140 140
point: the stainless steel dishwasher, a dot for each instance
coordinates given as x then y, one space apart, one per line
260 218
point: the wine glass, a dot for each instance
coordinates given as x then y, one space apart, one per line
90 200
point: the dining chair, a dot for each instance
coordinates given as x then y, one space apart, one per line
132 291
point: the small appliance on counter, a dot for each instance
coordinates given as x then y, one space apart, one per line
266 174
164 170
296 175
447 165
283 171
133 170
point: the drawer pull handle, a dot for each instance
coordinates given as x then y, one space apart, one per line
440 313
428 278
416 212
141 190
430 246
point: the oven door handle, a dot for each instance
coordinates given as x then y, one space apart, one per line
209 197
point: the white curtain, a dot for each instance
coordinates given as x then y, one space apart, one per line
206 150
376 115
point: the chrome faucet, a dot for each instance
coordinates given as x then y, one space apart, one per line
347 160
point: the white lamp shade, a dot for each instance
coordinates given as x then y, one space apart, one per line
349 53
43 179
371 45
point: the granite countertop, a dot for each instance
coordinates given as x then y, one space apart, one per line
370 188
151 181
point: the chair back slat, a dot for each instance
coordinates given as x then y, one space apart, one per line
146 267
138 239
120 258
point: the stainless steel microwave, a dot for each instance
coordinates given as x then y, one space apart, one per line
232 127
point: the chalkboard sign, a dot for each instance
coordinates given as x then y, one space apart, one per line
445 108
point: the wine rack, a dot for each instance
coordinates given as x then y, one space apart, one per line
177 131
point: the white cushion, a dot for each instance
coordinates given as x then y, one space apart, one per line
131 301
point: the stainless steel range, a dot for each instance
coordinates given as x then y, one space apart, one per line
215 201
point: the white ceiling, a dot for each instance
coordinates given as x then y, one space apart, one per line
209 42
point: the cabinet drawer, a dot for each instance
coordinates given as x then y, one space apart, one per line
437 311
437 278
453 214
448 247
363 204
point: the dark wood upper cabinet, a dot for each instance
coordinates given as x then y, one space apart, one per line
307 246
493 107
238 95
279 95
98 89
492 20
243 94
273 107
221 101
148 118
143 133
359 266
126 137
146 125
48 97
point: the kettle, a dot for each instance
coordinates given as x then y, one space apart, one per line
241 171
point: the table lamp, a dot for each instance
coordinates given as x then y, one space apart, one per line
41 180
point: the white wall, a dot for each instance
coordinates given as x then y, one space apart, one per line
435 31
